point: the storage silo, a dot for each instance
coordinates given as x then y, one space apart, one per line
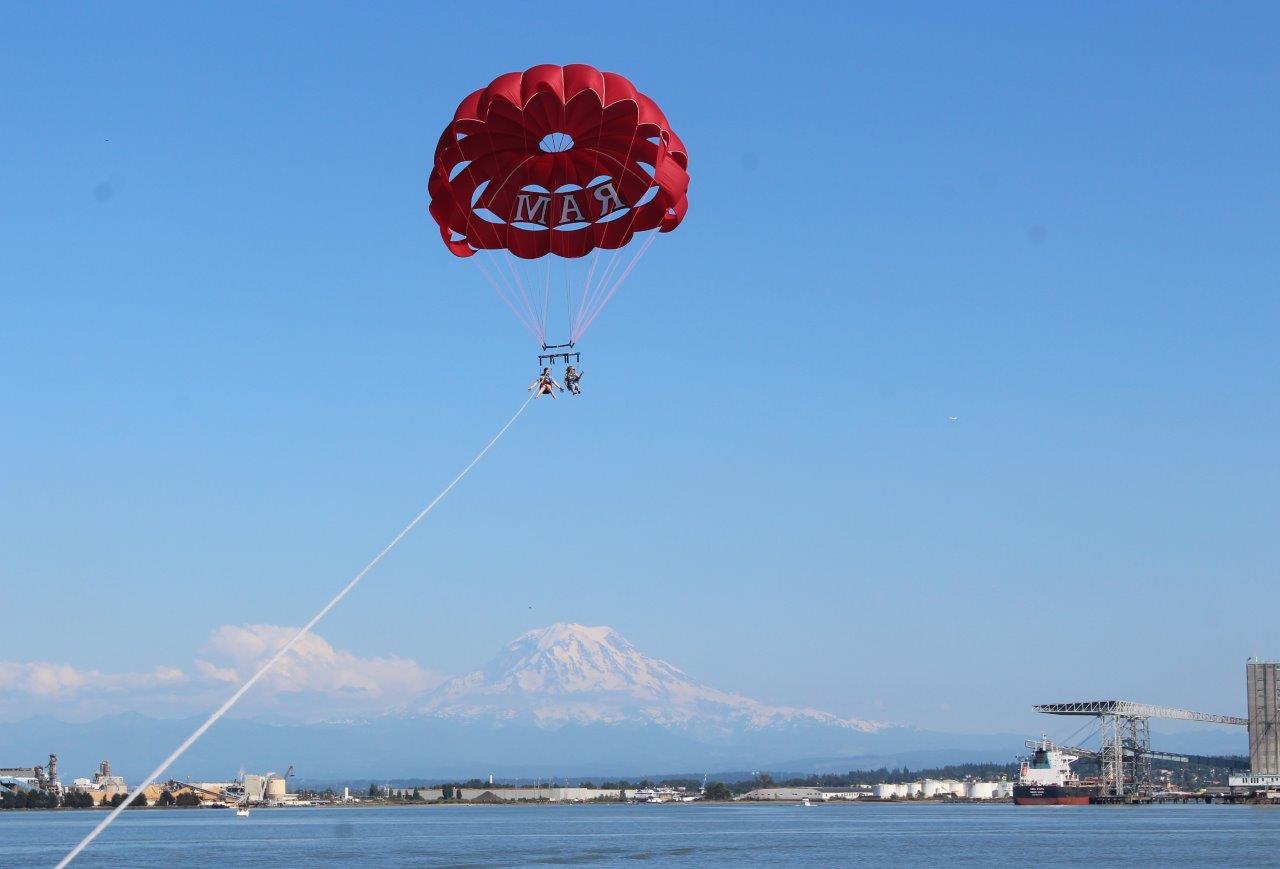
883 791
277 787
930 787
255 787
953 787
980 790
914 788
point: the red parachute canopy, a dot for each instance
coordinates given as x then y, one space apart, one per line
557 159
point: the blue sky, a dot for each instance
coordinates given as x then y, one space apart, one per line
235 358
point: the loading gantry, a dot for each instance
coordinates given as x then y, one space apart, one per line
1124 760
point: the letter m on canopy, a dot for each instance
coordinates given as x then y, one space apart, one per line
531 208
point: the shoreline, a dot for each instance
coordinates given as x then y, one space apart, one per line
532 804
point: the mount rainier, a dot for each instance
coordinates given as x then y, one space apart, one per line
570 674
563 700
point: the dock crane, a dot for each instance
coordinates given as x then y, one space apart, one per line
1124 761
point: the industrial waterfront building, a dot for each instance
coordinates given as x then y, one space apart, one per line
1264 716
500 793
1263 693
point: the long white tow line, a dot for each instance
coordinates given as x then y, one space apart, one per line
280 653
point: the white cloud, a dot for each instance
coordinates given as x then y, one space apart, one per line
313 681
44 679
216 674
312 666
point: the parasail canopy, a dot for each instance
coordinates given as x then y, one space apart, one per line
563 161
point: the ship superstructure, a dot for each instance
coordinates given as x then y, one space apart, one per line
1046 778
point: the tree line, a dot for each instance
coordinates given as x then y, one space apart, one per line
36 799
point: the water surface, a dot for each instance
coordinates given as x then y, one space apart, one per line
674 835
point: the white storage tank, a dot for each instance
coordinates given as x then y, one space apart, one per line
883 791
914 788
980 790
930 788
1004 790
277 787
953 787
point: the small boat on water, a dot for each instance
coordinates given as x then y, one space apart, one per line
242 812
805 802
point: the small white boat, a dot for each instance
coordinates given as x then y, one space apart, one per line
806 802
242 812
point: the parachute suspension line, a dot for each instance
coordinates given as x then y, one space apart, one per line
602 292
596 292
582 303
514 284
631 219
283 650
533 314
568 299
618 284
510 288
546 299
530 318
576 319
503 294
607 278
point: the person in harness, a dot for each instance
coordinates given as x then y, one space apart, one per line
571 378
545 384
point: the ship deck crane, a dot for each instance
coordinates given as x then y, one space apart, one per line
1124 761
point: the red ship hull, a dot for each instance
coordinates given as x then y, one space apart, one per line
1052 795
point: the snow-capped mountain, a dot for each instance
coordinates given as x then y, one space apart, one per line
570 674
563 700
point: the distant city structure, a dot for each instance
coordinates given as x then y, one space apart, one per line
103 786
38 778
271 789
501 793
251 789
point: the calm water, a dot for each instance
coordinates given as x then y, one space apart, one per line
678 835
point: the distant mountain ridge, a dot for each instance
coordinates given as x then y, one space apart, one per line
560 701
573 674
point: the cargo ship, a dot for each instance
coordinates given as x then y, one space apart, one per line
1046 778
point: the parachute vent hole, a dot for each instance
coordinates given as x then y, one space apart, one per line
556 143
